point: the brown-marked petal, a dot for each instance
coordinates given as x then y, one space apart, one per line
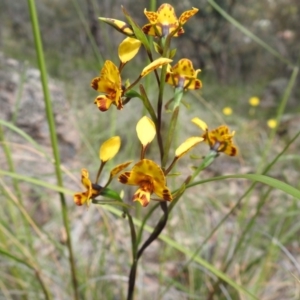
185 16
142 196
116 170
103 102
119 25
154 65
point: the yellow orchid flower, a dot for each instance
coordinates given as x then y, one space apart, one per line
184 75
109 83
150 178
92 190
219 139
164 21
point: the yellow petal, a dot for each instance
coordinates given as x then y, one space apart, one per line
231 150
200 123
142 196
119 25
151 16
154 65
103 102
128 49
109 78
146 131
119 168
109 148
167 17
187 145
80 198
162 191
184 67
149 29
187 15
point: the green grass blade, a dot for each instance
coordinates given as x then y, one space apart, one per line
275 183
53 136
24 262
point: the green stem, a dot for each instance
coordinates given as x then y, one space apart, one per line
157 230
171 131
153 236
147 216
132 274
53 136
159 111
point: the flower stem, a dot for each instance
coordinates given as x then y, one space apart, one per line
157 230
132 274
136 255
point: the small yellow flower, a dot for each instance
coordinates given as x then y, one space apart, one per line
254 101
92 190
150 178
184 75
164 21
146 130
272 123
219 139
109 148
128 49
227 111
110 84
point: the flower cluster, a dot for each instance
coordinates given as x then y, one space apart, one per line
149 175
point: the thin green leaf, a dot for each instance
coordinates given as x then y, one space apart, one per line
275 183
113 203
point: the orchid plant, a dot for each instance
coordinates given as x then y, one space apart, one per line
150 176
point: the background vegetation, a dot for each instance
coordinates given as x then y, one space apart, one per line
257 245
